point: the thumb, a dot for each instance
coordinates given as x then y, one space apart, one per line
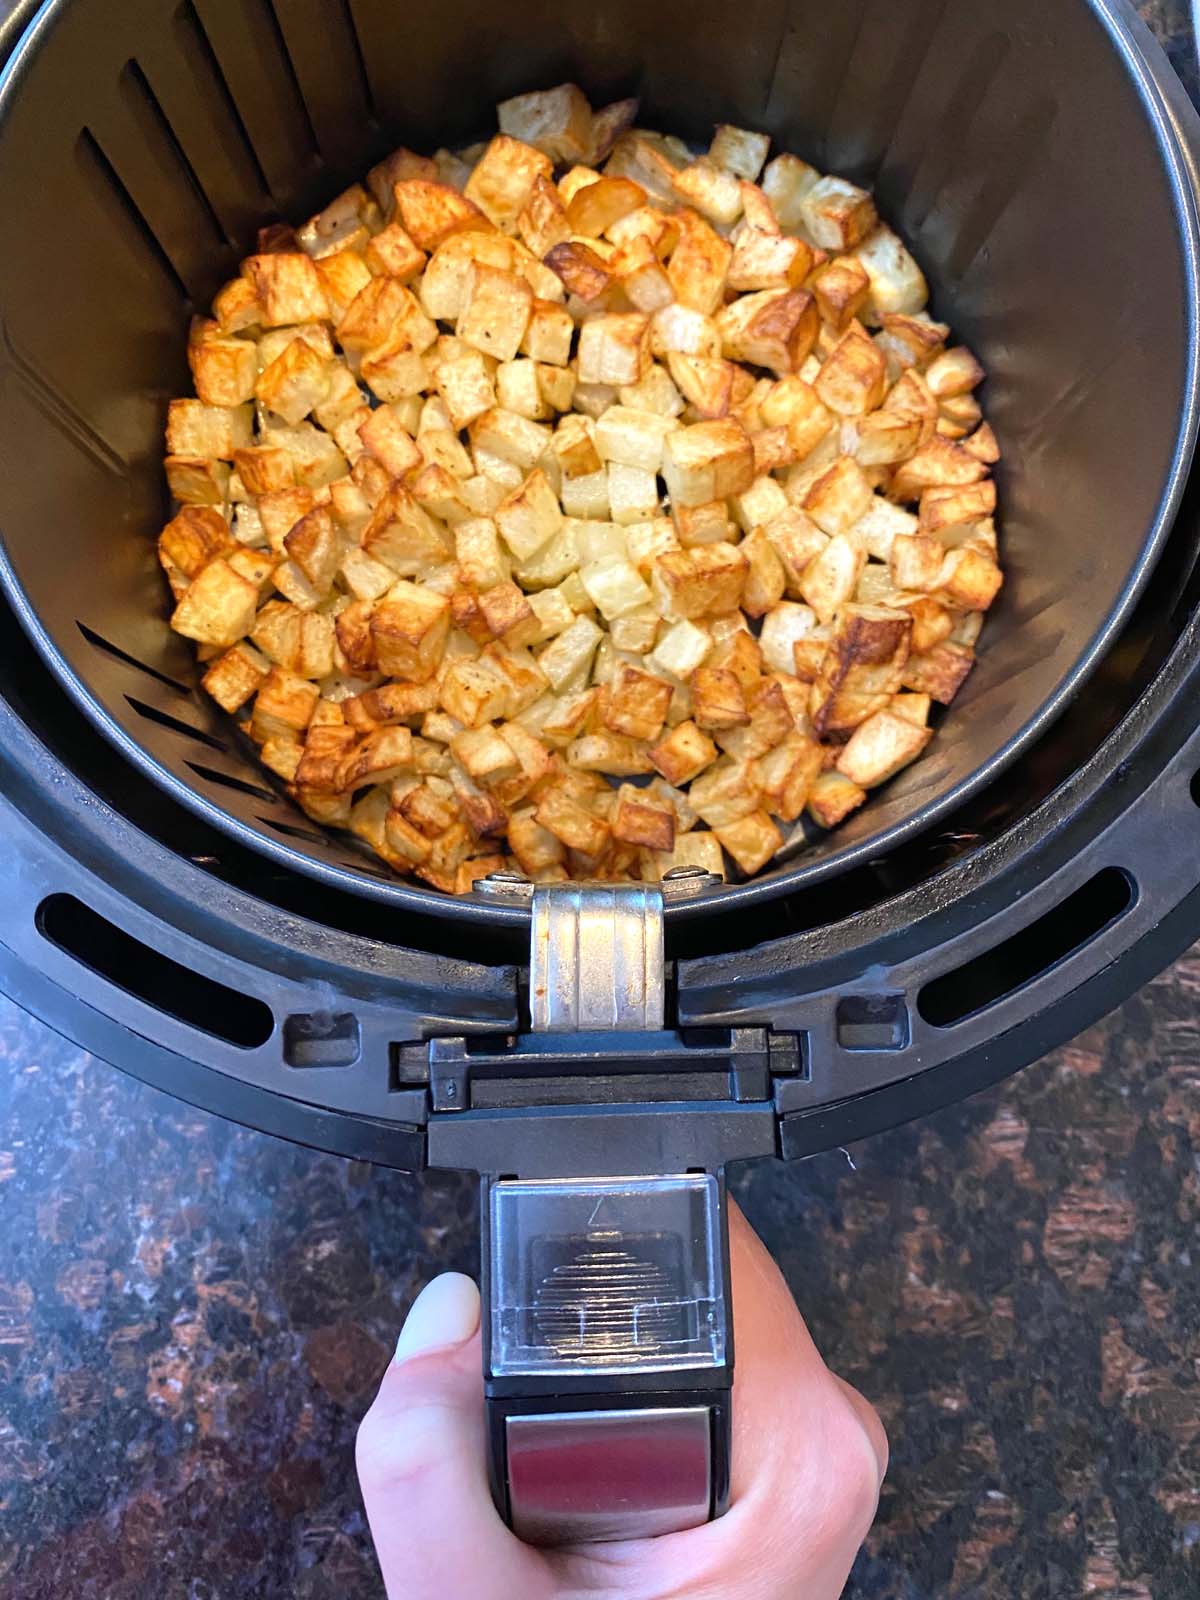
422 1463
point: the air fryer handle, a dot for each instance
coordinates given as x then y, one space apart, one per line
608 1358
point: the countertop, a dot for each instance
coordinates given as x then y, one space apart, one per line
193 1317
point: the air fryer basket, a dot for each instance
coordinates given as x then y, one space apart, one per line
141 145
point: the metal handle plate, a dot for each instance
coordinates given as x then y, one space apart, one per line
596 957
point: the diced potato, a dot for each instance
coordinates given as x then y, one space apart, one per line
774 328
409 628
632 493
714 192
680 649
708 461
570 822
642 821
832 798
614 349
853 377
637 706
684 753
213 432
615 586
751 840
879 747
839 497
897 282
739 151
193 538
529 516
569 655
706 580
718 699
496 311
725 792
782 627
235 676
514 439
431 212
501 181
287 288
218 607
224 371
633 438
699 263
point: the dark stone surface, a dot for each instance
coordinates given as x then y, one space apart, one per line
193 1317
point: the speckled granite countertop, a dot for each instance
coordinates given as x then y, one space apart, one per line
193 1317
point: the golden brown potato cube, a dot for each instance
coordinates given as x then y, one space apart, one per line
939 463
657 228
910 341
853 377
534 847
224 371
916 562
768 260
772 450
409 628
287 287
769 723
792 403
431 212
529 516
193 538
505 609
739 151
914 708
774 328
839 497
699 264
841 289
594 208
950 512
582 271
235 676
954 372
549 333
517 442
708 523
474 692
403 536
483 754
325 747
571 822
543 221
393 372
696 849
574 446
536 761
788 774
886 437
879 747
684 753
440 493
614 349
614 754
705 580
315 545
863 665
958 415
295 382
284 705
642 821
837 214
393 254
518 389
281 510
970 580
637 706
501 181
715 193
932 622
496 311
983 444
211 432
751 840
276 633
708 461
766 579
383 178
705 382
726 792
237 308
264 468
374 314
386 438
718 700
832 798
218 606
404 840
797 541
282 756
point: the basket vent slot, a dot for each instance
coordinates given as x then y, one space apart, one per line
99 642
154 123
164 719
199 47
151 977
103 183
239 785
1007 967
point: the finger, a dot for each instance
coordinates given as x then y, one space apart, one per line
807 1466
422 1463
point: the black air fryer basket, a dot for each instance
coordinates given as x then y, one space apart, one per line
172 911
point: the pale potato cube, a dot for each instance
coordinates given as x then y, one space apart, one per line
514 439
518 389
695 849
218 607
496 311
739 151
481 561
646 541
685 331
636 631
575 446
466 385
443 285
552 615
295 382
501 180
587 496
570 654
714 192
213 432
680 649
879 524
897 283
768 260
782 627
788 773
761 503
837 215
708 461
484 755
632 493
529 516
725 792
886 437
615 586
395 371
556 385
614 348
879 747
839 497
766 579
596 541
831 578
555 561
786 183
558 122
633 438
751 840
548 334
237 308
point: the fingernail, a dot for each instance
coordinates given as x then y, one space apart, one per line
444 1313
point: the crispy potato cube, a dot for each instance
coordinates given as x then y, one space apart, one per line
614 754
264 468
853 377
496 311
354 637
534 847
548 334
699 264
614 349
594 208
797 541
879 747
792 403
615 586
938 463
708 523
832 798
505 609
218 606
705 382
726 792
831 577
708 461
646 541
287 287
705 580
773 328
223 370
684 753
914 708
637 706
543 220
897 282
788 774
739 151
641 821
474 692
766 579
718 700
879 525
514 439
575 446
235 676
983 444
529 516
782 627
484 755
932 622
951 513
886 437
386 438
403 536
684 331
383 178
377 757
467 386
715 193
841 288
295 382
193 538
954 372
409 628
213 432
582 270
481 561
393 254
569 821
970 580
839 497
910 342
837 215
431 212
862 668
237 307
315 545
751 840
568 656
391 702
916 562
501 181
284 705
767 259
395 370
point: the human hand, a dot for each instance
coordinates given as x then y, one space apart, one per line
809 1455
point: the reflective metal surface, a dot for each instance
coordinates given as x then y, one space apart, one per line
596 957
602 1475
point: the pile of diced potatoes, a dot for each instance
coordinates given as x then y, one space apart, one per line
580 507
